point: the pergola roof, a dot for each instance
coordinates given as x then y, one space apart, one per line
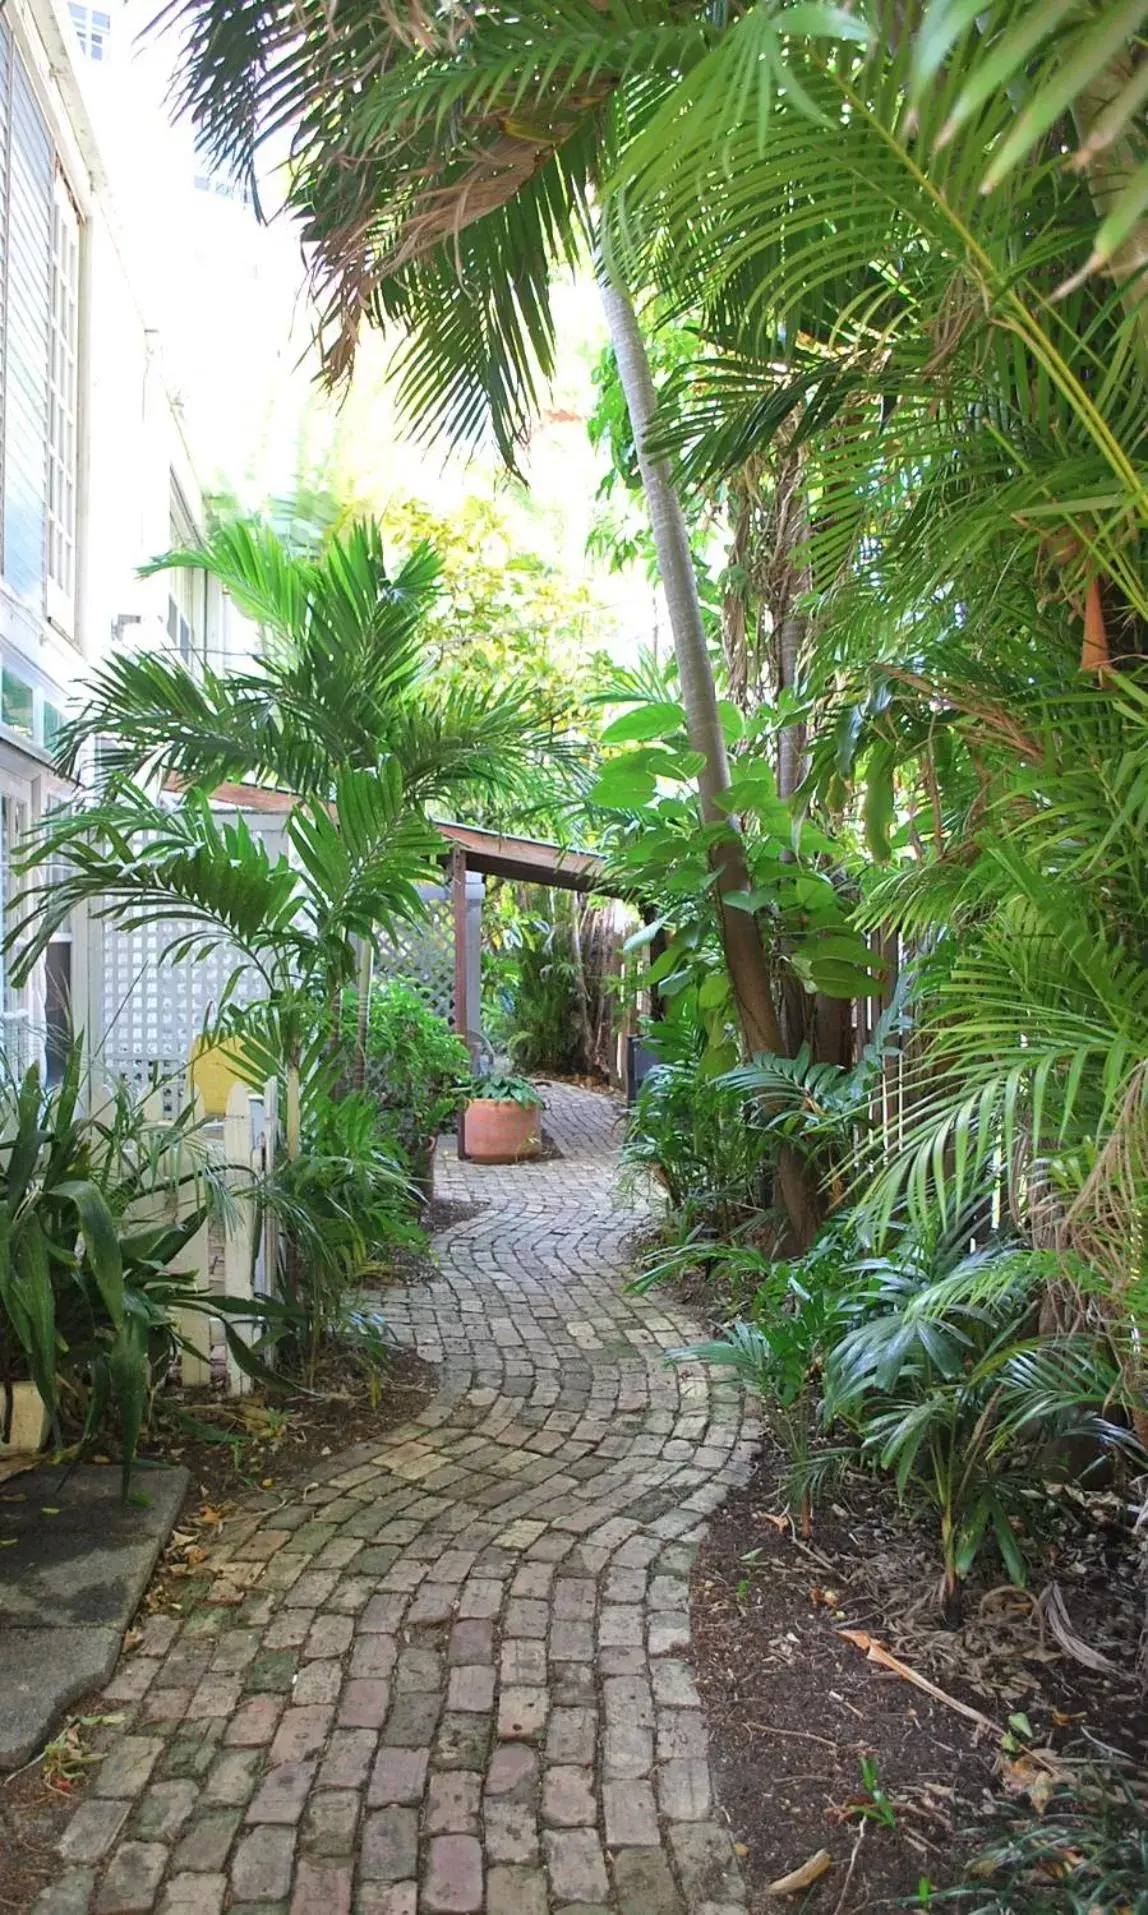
493 854
527 860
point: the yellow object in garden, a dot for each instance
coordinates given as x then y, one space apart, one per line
213 1071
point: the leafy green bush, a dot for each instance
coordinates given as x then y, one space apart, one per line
88 1307
949 1384
779 1351
417 1070
344 1204
931 1356
707 1142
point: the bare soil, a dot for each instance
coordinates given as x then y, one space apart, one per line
795 1708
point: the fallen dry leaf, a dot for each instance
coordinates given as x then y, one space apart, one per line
802 1877
876 1652
1033 1776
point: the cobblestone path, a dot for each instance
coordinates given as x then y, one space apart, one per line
454 1675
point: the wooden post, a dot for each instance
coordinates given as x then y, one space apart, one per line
461 1007
239 1244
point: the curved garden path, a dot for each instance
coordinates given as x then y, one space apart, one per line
453 1676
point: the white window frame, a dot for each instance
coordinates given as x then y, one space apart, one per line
62 450
93 27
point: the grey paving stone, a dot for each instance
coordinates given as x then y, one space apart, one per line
576 1865
71 1894
644 1883
516 1891
133 1877
92 1830
193 1895
467 1637
453 1881
390 1845
205 1844
262 1867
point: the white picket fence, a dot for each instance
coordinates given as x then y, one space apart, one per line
237 1260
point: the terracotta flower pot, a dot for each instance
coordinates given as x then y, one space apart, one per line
500 1132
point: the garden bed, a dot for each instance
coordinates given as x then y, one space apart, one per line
794 1708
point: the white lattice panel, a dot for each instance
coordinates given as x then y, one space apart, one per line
423 958
152 1010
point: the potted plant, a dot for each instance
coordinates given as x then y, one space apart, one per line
503 1120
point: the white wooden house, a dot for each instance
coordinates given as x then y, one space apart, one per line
95 475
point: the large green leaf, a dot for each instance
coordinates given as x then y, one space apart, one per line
101 1244
622 787
130 1383
655 720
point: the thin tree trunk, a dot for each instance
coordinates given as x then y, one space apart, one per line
581 994
365 974
741 935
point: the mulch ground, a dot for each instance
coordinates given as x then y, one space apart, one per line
795 1708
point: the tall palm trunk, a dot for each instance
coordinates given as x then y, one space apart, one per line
741 935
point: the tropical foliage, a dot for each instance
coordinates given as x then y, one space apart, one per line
336 715
95 1207
885 815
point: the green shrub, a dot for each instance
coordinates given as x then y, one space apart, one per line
949 1383
931 1356
706 1141
779 1351
88 1306
417 1070
344 1206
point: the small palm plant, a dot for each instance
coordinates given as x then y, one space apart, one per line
950 1385
338 699
799 1312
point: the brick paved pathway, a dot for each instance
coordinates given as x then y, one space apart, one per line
453 1676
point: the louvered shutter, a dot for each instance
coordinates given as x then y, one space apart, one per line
63 375
26 358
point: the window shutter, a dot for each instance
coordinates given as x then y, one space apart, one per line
63 372
28 263
5 116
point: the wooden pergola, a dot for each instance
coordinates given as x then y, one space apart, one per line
493 854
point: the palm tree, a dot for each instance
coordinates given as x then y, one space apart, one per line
460 223
444 165
339 686
340 682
